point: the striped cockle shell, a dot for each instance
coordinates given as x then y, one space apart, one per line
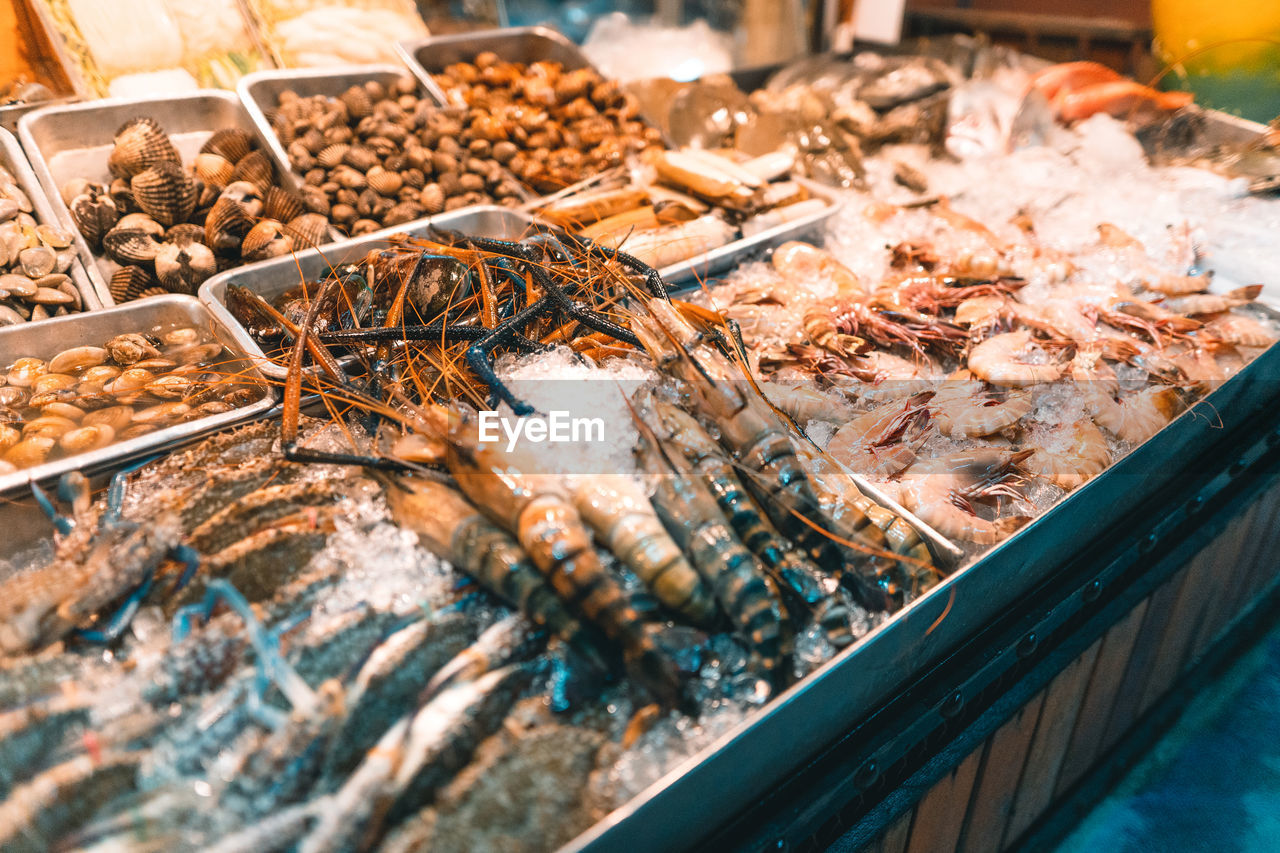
185 233
129 281
130 245
357 101
232 143
94 213
255 168
383 181
281 205
214 169
165 192
331 155
140 143
182 269
226 225
308 230
248 194
266 240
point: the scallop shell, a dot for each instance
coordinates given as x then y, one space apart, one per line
140 143
182 269
226 225
94 213
185 233
130 245
331 155
357 101
166 192
308 230
281 205
266 240
230 142
255 168
128 282
214 169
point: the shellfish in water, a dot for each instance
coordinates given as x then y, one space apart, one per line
140 143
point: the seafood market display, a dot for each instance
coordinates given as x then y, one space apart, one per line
381 155
402 614
686 203
88 397
35 259
555 126
167 227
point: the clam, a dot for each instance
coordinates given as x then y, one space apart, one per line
9 317
181 336
131 347
161 414
383 181
247 194
130 246
77 358
122 195
101 374
54 238
195 353
76 187
165 192
131 379
30 451
17 285
214 169
141 222
361 158
182 269
226 225
52 381
65 410
8 437
357 101
37 261
13 396
405 211
94 213
231 143
171 386
128 283
116 417
267 239
24 372
255 168
308 229
47 425
50 296
140 143
42 399
86 438
281 205
331 156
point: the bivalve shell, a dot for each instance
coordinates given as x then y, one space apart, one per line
331 155
140 222
77 358
255 168
171 386
17 285
357 101
308 230
132 379
30 451
37 261
182 269
116 417
159 415
130 246
85 438
25 371
281 205
128 282
214 169
165 192
94 213
248 194
184 234
129 348
48 425
267 239
226 225
384 182
51 382
140 143
181 336
229 142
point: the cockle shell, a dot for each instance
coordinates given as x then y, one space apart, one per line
332 155
281 205
357 101
308 230
248 194
255 168
267 239
130 245
229 142
226 225
140 143
165 192
128 282
214 169
182 269
94 213
141 222
185 233
385 182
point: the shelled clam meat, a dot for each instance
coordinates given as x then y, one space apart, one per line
35 259
684 203
165 227
556 126
379 155
89 397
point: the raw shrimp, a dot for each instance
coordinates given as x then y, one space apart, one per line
1000 361
1138 416
939 491
1071 456
962 409
1239 329
879 442
1213 303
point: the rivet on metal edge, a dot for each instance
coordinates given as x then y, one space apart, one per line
1027 644
951 705
1196 504
1237 468
866 774
1092 590
1148 542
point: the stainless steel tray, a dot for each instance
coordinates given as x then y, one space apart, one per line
43 340
516 44
742 765
272 277
13 159
11 115
73 141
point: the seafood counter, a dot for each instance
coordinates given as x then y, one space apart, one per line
391 616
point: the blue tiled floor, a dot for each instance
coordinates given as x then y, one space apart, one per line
1213 782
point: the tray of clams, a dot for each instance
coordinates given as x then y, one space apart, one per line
91 390
374 149
165 192
40 273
